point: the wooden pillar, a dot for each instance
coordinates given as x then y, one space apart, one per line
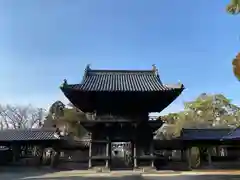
209 156
189 160
90 155
134 146
55 158
52 158
152 155
182 155
13 153
41 150
107 153
38 154
16 152
44 157
135 154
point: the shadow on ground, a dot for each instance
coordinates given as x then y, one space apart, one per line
138 177
197 177
17 173
23 173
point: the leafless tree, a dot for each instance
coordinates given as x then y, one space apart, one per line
21 117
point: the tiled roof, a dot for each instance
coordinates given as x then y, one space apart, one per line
204 134
233 135
27 135
122 80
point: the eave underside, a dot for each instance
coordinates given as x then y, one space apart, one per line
92 125
121 102
122 131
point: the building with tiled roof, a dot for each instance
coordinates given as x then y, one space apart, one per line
119 103
9 135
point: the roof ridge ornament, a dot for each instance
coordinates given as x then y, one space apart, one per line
154 69
88 67
179 82
65 83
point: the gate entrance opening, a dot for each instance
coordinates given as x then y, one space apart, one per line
121 156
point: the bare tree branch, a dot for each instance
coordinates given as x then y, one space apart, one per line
21 117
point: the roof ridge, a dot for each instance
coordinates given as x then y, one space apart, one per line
206 129
153 69
120 70
29 130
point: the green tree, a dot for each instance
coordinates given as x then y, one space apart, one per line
213 110
174 122
233 7
236 66
70 117
204 112
73 118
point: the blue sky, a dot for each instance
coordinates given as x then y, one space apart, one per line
44 41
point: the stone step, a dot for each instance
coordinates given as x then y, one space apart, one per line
102 169
148 169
